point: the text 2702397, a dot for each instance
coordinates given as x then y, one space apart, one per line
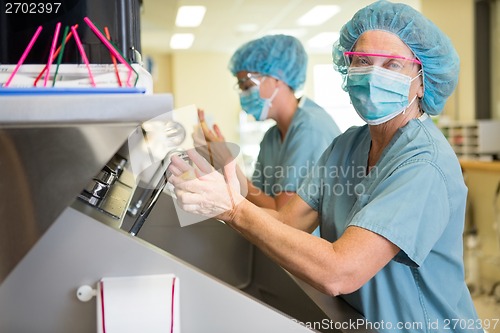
32 7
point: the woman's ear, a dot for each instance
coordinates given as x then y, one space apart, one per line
420 91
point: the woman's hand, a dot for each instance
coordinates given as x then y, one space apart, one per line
200 189
202 134
212 145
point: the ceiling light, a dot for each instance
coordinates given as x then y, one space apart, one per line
291 32
247 27
318 15
323 40
181 41
190 16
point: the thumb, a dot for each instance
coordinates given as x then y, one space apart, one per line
231 175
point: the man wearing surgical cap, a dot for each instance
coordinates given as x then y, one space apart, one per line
392 215
271 73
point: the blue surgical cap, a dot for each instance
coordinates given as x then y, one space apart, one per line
440 62
280 56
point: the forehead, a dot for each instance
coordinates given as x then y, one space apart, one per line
379 41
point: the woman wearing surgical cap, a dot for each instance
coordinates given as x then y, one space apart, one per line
271 72
392 216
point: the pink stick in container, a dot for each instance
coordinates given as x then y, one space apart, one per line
51 54
109 46
84 56
24 55
54 57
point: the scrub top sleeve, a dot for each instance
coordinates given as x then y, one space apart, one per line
258 174
410 208
310 189
303 149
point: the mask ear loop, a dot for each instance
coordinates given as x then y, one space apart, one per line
270 99
268 104
409 104
420 72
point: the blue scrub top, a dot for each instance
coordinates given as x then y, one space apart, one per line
414 197
282 165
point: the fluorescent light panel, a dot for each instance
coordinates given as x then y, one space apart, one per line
247 27
323 40
190 16
291 32
181 41
318 15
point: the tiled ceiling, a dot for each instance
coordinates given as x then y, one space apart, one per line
230 23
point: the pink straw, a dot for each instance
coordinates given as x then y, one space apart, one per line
84 56
25 54
56 53
51 54
109 46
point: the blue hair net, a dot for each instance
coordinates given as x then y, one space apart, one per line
440 62
280 56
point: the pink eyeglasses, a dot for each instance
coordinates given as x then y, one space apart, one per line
391 62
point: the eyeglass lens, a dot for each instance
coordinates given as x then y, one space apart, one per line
394 63
248 82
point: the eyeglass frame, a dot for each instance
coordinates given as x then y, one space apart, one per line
253 77
349 54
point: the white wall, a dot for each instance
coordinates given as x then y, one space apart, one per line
203 79
456 19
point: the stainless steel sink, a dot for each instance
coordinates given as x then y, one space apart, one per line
50 148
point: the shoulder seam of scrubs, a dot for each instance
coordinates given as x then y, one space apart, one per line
402 131
432 163
429 138
434 157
